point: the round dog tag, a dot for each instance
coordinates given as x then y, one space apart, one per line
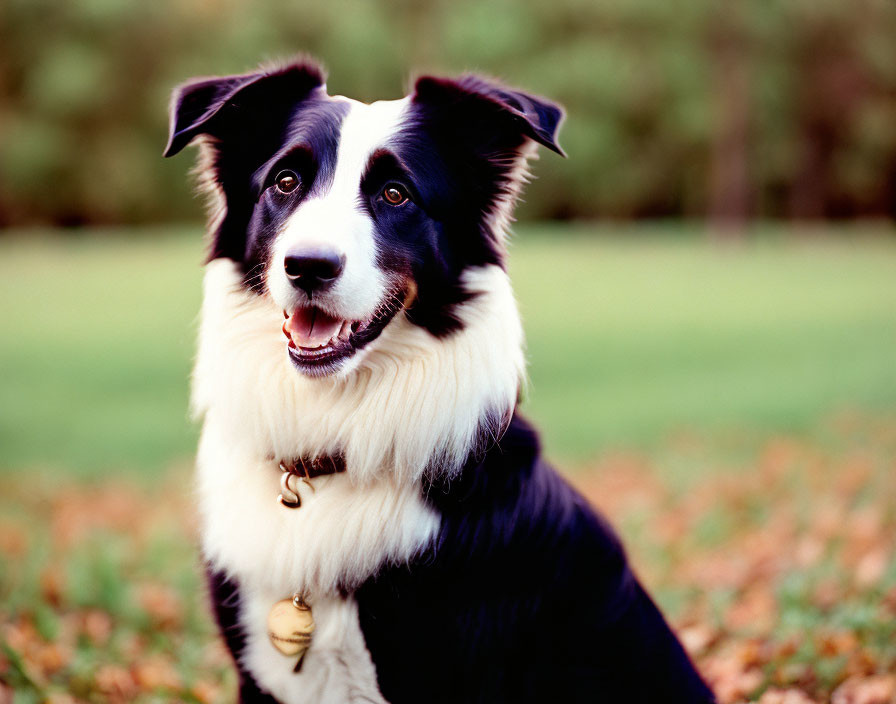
290 625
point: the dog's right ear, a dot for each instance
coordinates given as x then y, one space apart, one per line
491 105
201 105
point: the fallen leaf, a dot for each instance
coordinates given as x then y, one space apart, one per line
116 682
877 689
785 696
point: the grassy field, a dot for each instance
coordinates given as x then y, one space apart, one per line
635 338
631 339
731 408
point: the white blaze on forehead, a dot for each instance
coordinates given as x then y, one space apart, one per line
365 129
336 218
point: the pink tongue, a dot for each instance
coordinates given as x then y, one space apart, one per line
311 328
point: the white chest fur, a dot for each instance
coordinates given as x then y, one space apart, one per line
416 399
337 668
341 534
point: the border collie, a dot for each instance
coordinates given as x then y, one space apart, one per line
360 356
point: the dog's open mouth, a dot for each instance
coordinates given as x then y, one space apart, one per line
319 341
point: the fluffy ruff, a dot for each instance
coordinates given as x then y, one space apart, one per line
418 407
418 404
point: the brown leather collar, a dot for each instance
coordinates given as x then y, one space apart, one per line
317 467
305 470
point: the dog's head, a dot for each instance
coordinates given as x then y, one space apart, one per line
347 215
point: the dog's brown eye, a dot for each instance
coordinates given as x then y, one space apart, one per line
395 194
287 181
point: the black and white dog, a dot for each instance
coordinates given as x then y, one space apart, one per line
447 562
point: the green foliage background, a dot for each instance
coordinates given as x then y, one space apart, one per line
799 95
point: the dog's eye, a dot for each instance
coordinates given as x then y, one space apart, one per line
287 181
395 194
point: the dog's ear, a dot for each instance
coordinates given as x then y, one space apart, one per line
201 105
532 116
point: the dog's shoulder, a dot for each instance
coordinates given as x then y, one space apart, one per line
526 591
509 506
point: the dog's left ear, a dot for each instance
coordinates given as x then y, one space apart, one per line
200 106
533 117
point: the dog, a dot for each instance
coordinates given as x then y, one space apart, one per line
377 521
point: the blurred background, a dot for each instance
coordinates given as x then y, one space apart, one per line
778 109
716 369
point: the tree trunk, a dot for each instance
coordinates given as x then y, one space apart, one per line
729 178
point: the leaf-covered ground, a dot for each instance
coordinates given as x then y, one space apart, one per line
777 568
773 557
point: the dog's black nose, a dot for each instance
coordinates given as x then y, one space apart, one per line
313 269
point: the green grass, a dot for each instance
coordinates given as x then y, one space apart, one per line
96 351
631 337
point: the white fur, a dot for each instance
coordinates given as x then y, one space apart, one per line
501 214
336 670
339 536
413 400
336 219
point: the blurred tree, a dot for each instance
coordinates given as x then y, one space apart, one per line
729 186
772 109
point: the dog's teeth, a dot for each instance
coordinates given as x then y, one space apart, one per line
345 331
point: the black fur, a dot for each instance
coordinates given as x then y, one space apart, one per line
525 597
258 124
458 149
225 598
